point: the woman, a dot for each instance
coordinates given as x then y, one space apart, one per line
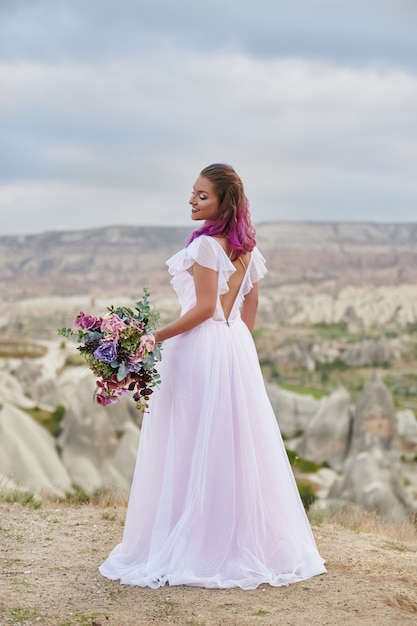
213 501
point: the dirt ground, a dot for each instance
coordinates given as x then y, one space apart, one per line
50 555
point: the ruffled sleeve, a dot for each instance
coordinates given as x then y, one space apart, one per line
256 271
205 251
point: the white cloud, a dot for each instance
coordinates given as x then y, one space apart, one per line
96 136
49 205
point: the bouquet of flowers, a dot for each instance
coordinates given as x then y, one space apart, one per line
120 349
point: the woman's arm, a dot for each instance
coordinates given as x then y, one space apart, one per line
205 281
250 307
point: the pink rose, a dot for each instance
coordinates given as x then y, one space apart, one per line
113 325
147 344
108 339
139 325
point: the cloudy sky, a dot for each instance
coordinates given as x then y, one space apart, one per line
109 109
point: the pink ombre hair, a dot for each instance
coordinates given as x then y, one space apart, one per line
233 218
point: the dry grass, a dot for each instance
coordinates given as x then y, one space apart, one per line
357 520
14 349
346 516
102 498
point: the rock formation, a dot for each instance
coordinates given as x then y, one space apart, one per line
370 352
92 437
28 454
407 433
327 436
375 421
96 448
370 476
293 411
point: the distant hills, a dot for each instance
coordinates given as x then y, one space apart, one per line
116 259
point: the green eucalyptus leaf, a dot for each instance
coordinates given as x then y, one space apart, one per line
121 372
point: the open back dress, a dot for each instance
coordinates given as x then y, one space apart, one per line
213 502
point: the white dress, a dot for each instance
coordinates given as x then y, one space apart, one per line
213 501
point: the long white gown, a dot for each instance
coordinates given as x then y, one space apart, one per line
213 501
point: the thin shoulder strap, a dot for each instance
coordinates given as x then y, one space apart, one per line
240 259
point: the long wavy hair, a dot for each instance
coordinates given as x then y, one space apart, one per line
233 218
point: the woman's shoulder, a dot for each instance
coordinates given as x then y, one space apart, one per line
220 247
204 250
206 243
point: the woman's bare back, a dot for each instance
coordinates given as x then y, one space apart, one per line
235 281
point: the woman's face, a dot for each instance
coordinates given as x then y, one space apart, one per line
204 201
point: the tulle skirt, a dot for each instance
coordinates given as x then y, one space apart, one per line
213 501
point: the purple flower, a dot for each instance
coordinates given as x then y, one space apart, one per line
106 352
134 367
104 400
108 392
88 322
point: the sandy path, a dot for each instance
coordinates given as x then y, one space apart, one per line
48 576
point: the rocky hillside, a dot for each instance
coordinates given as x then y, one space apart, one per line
102 261
53 436
333 255
118 258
